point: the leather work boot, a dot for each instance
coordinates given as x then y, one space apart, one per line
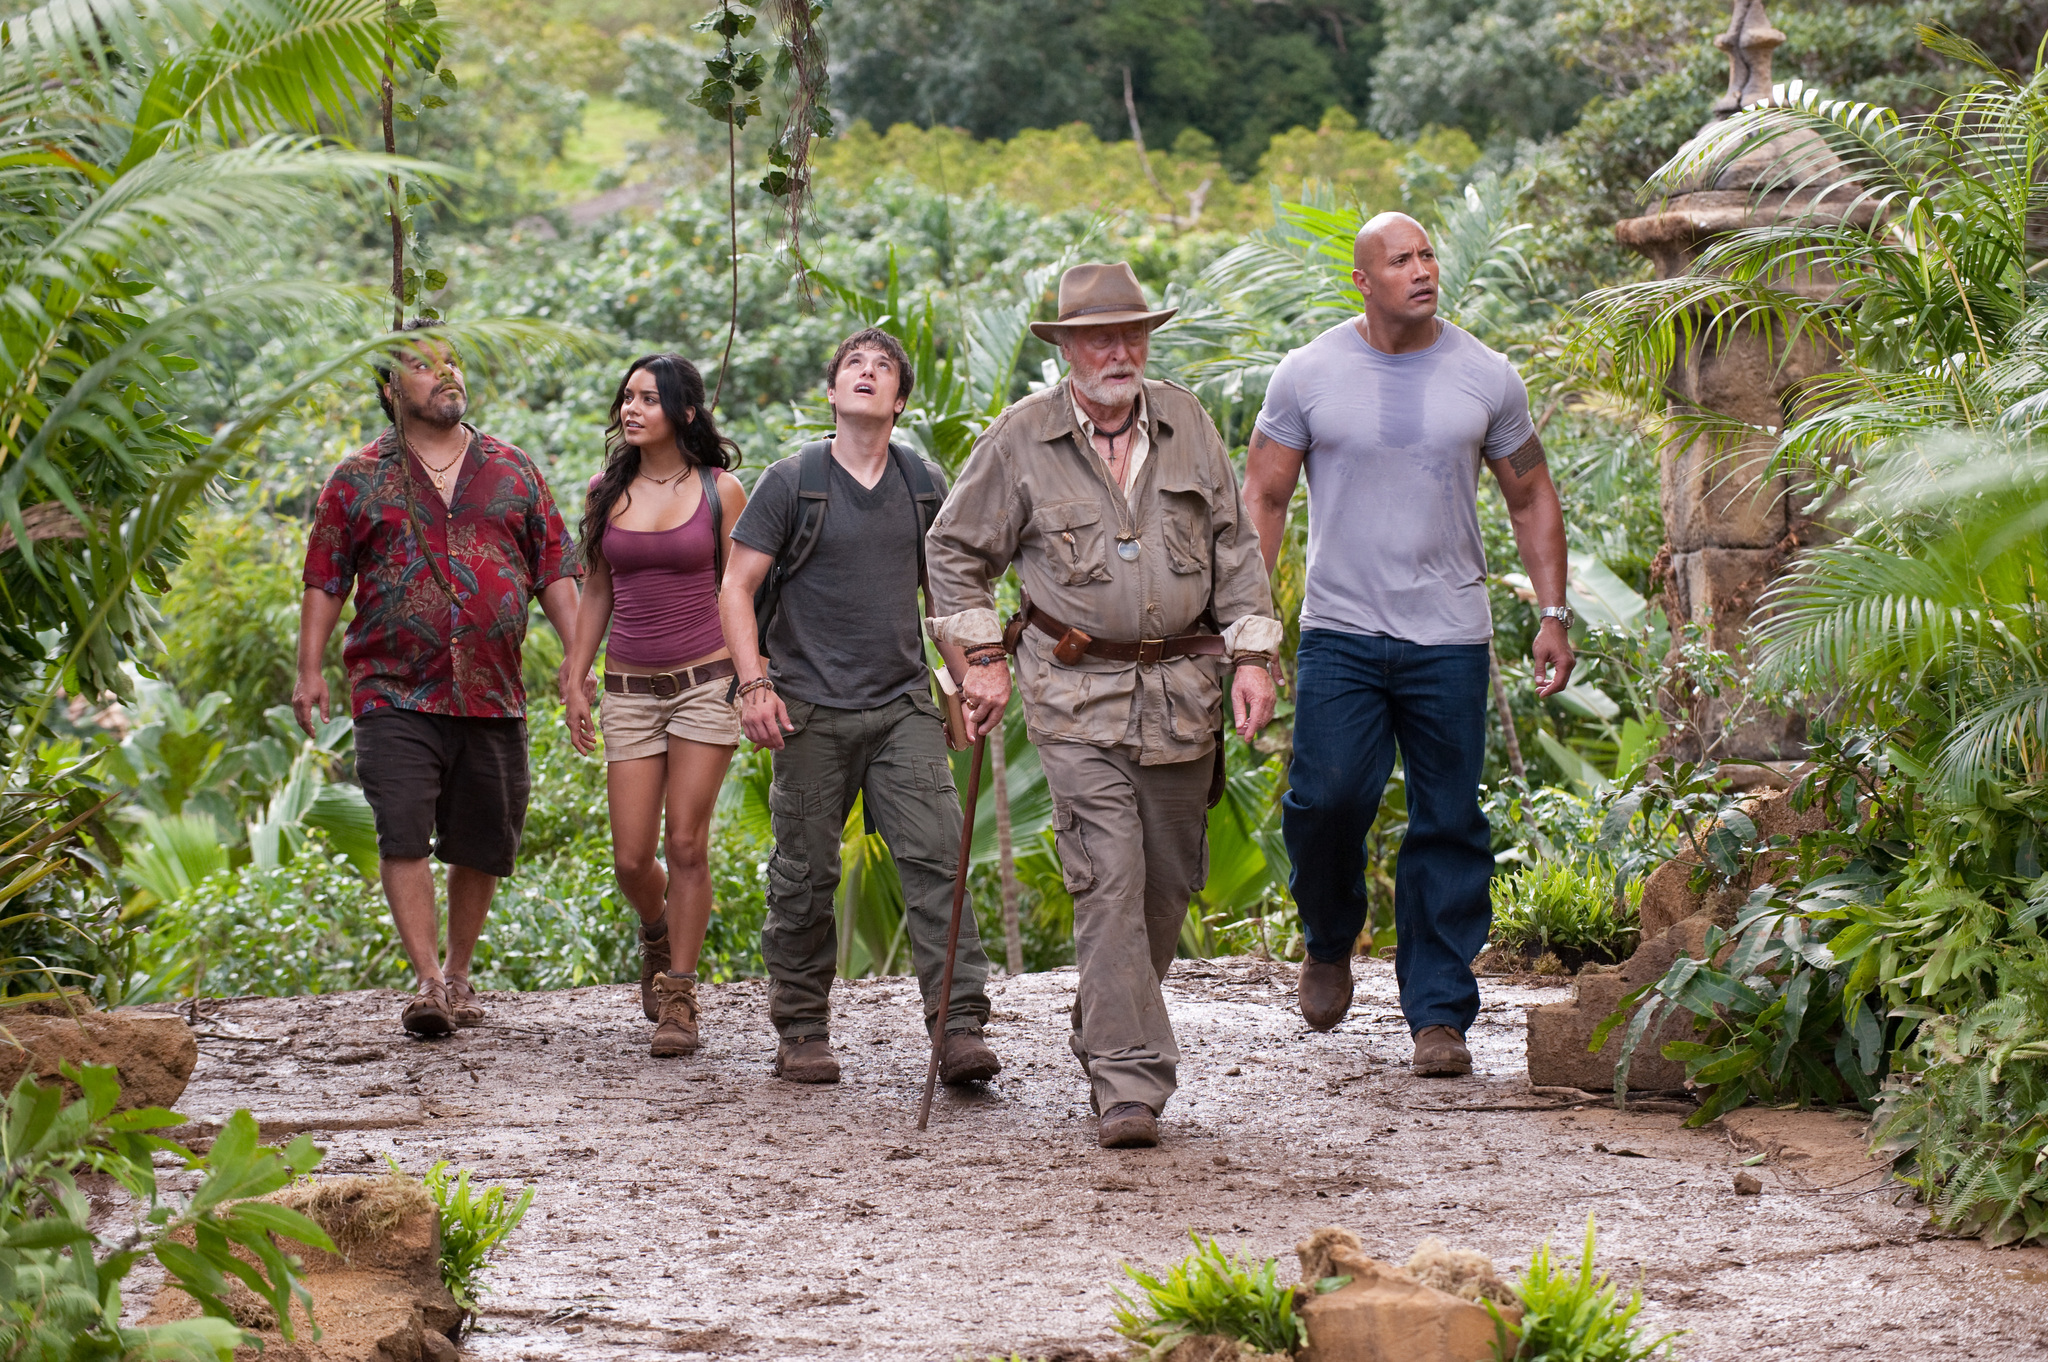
463 1008
427 1013
677 1032
809 1060
653 961
1324 991
1440 1053
1128 1125
966 1058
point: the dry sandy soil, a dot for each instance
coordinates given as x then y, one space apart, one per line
703 1207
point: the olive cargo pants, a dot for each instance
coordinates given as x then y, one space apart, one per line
1134 847
895 757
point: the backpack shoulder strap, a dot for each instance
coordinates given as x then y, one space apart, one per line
812 479
707 478
924 500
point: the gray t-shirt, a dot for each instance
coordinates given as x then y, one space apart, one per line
1394 444
848 632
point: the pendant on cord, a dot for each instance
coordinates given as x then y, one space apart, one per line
1127 548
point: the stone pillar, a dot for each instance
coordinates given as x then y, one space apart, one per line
1728 526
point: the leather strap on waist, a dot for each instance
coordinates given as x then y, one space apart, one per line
1074 644
668 685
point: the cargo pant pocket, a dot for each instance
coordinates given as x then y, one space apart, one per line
1076 869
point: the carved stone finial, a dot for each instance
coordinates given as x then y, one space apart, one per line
1749 42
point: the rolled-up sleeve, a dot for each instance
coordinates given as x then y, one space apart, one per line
971 544
1242 596
550 553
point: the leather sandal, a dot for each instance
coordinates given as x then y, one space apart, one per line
427 1014
463 1008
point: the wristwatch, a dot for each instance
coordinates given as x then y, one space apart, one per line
1561 613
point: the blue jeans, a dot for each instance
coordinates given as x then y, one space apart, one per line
1357 697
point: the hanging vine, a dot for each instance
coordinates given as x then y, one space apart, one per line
411 31
731 94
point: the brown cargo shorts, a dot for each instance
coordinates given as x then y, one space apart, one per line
454 786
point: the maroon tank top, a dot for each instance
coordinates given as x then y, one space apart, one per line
664 593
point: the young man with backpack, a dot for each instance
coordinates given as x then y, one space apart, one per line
835 534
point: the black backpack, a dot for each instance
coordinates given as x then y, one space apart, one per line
813 476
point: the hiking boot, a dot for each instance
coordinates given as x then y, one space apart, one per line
653 961
1440 1053
1128 1125
966 1058
809 1060
1324 991
676 1034
463 1008
427 1013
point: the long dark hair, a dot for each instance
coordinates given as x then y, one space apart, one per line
681 390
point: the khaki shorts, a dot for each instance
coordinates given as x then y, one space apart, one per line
636 726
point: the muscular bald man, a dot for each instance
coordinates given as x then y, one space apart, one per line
1392 414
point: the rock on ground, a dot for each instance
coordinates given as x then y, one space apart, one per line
154 1054
380 1299
700 1208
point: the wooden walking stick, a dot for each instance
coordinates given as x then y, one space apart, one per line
931 1073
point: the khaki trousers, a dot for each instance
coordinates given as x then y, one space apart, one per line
1134 847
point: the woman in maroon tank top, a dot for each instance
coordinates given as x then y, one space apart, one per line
654 544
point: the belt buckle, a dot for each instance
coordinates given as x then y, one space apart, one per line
664 686
1151 649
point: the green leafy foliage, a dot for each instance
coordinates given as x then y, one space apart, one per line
60 1277
473 1224
1578 910
1573 1315
1209 1292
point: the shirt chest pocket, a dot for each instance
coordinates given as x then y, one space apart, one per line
1076 544
1184 526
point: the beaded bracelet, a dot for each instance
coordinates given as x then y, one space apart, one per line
756 684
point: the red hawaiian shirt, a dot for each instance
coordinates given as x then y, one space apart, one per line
497 543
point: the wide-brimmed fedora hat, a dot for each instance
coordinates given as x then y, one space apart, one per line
1099 295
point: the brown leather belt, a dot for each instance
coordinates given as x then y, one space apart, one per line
668 685
1074 644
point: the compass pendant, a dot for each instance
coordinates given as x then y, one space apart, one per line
1127 549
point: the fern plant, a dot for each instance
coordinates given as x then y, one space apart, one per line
1210 1292
474 1222
1573 1315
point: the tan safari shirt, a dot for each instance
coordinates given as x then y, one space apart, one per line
1035 494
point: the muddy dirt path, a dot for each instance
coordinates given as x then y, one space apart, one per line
702 1207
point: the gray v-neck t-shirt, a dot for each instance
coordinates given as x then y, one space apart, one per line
1394 444
847 633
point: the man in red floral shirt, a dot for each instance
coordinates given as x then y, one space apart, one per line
445 542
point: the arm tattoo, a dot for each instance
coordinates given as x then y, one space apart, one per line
1259 440
1528 458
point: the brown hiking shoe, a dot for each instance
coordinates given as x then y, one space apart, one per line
1440 1053
809 1060
966 1058
463 1008
677 1032
1128 1125
427 1013
654 959
1324 991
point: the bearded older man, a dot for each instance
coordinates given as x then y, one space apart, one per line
1114 498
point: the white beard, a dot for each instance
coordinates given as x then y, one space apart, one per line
1108 392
